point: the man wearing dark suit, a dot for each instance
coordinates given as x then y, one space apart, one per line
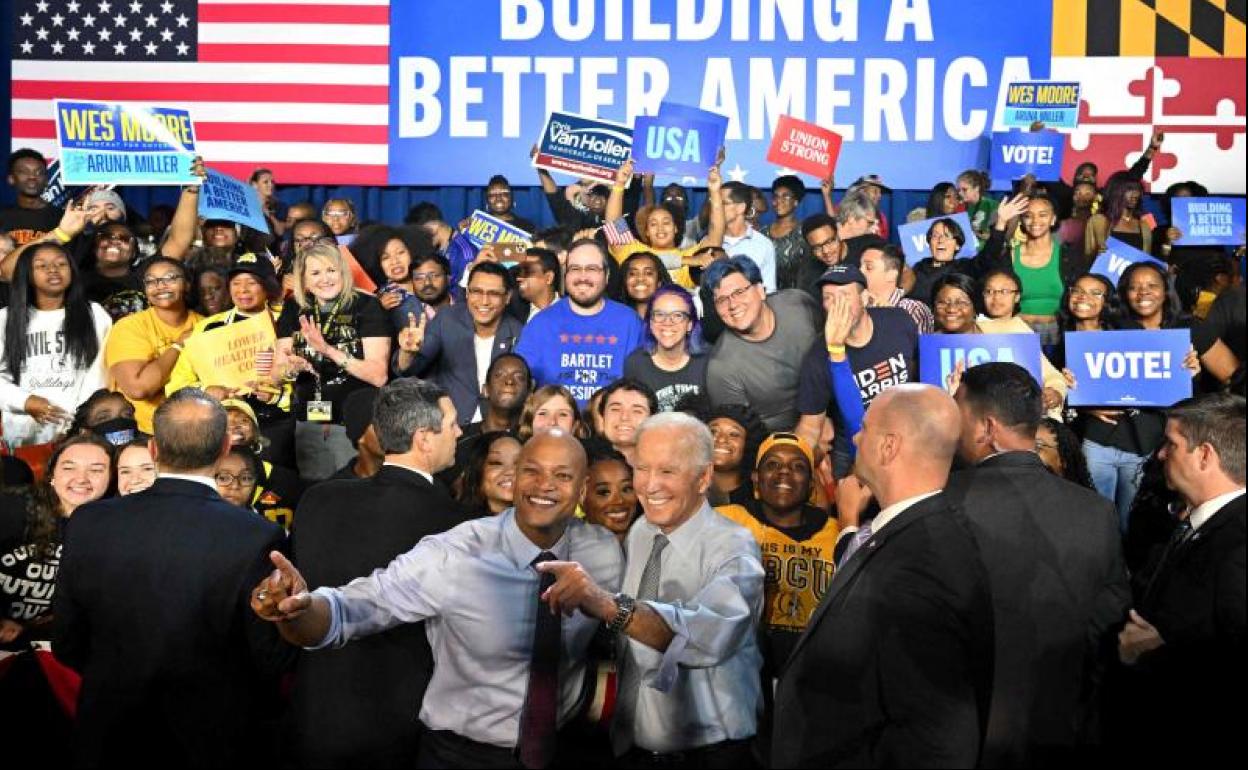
1183 647
451 349
895 666
152 609
357 706
1054 561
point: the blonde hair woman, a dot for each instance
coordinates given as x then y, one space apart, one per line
332 340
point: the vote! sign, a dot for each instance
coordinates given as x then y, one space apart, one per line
804 147
1054 104
1018 153
484 229
1128 368
939 354
1117 257
118 143
224 197
585 147
680 141
913 237
1208 221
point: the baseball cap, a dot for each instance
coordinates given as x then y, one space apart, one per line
108 196
842 274
259 266
785 439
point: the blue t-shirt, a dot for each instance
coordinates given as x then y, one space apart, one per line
581 352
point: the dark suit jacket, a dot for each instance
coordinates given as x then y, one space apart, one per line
448 357
1196 600
358 705
1059 592
152 608
895 666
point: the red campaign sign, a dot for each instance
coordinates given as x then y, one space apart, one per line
804 147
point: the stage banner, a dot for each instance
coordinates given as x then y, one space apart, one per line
911 87
108 143
1128 368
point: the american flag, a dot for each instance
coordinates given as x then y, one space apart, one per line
297 86
617 232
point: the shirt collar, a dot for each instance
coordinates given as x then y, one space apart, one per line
687 534
521 549
882 518
423 474
207 481
1207 509
749 233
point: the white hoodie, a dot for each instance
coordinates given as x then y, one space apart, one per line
48 372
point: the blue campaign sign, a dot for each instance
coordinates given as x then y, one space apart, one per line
118 143
483 229
910 86
913 238
1018 153
677 143
1117 257
1054 104
939 354
55 194
1208 221
1128 368
583 147
224 197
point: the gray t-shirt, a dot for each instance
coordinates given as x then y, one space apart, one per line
764 375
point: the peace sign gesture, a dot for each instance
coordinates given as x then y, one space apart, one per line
412 336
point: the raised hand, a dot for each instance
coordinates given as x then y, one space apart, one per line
839 322
574 589
624 174
74 220
283 595
44 411
714 181
312 335
1010 209
412 336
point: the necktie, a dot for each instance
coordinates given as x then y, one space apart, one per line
540 714
855 542
649 586
1182 533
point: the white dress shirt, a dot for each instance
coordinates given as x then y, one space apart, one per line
475 588
886 515
1205 510
705 688
207 481
759 248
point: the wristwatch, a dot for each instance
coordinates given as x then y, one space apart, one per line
625 604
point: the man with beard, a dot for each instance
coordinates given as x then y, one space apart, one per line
581 341
824 250
431 277
32 217
459 344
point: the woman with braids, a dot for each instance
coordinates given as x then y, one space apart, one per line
53 344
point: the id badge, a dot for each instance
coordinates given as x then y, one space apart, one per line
320 411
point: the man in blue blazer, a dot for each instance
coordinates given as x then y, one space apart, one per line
455 348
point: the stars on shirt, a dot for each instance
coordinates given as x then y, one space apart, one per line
588 339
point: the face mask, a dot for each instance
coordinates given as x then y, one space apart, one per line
117 431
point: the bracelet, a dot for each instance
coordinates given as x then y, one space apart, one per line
618 187
61 235
836 350
176 346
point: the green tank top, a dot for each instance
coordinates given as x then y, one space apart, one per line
1042 286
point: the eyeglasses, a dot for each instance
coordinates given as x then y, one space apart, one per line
784 196
1093 293
121 237
663 317
497 195
477 292
336 214
940 235
307 239
727 299
168 279
674 199
834 240
429 277
50 267
588 269
229 479
954 304
1000 292
1045 445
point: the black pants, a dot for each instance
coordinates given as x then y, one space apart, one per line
726 755
444 750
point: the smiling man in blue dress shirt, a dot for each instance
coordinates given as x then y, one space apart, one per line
478 590
689 692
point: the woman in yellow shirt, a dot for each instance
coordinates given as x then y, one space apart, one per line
661 227
143 347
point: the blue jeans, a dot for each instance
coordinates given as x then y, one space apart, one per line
1116 476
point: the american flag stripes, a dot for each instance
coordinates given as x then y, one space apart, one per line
298 86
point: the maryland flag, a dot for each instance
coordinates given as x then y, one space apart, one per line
1175 66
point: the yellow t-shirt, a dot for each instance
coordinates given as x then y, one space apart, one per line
142 337
798 572
680 275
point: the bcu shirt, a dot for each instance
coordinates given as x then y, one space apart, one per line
580 352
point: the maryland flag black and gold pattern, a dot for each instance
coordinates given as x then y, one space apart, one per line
1196 28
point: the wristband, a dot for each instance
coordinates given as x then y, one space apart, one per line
61 235
177 346
836 350
618 187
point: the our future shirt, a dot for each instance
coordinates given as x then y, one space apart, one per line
49 372
580 352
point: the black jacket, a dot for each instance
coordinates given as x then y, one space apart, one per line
358 705
152 608
1059 591
895 666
